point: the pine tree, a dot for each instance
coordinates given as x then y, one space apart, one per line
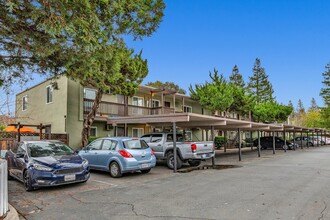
325 92
300 107
236 78
259 85
314 106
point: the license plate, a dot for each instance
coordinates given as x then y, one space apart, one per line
144 165
70 177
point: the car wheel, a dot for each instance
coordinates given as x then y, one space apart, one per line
9 176
170 161
194 163
27 181
145 171
115 171
285 147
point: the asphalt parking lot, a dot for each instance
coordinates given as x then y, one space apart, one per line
291 185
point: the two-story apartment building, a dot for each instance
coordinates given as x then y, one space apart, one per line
65 107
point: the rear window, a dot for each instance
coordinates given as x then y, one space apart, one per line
179 138
135 144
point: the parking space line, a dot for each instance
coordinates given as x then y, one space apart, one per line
98 181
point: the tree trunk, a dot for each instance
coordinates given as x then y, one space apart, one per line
88 121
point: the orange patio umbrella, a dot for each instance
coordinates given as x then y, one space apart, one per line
22 130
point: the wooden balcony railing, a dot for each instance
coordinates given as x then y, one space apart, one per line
116 109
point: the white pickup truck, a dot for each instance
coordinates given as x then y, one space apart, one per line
187 151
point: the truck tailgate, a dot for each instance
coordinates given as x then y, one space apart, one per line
204 147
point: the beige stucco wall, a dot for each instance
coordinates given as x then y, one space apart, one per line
38 111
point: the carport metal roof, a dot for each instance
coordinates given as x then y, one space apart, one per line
190 120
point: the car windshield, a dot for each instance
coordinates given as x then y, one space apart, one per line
135 144
44 149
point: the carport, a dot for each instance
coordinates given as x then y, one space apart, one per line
206 122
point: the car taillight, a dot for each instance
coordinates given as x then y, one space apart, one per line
193 148
152 152
125 154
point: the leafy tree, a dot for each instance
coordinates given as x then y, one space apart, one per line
81 39
167 85
325 117
236 78
300 107
314 106
259 85
216 95
268 112
325 92
312 119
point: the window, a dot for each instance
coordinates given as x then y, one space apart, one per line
49 98
155 103
89 93
137 132
167 104
179 138
121 99
156 138
93 131
146 138
188 135
187 108
109 145
24 103
138 101
95 145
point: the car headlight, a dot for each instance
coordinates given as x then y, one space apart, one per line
41 167
85 163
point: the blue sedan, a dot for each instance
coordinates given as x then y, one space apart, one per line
43 163
119 155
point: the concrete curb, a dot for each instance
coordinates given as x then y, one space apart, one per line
11 214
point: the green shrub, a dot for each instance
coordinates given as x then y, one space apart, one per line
92 138
219 141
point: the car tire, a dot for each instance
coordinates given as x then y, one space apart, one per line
145 171
194 163
170 161
27 181
10 177
115 170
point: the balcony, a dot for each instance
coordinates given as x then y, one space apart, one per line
116 109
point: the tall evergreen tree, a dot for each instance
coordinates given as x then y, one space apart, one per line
259 85
313 106
300 107
236 78
325 92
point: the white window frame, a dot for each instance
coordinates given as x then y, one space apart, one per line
141 129
95 131
50 90
90 90
138 97
26 102
187 106
152 103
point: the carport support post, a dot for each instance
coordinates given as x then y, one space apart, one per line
285 147
301 140
226 142
307 140
273 142
239 145
259 146
317 139
294 137
174 147
251 140
212 138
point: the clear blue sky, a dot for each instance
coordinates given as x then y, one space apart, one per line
291 37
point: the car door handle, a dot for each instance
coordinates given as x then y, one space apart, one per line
159 145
